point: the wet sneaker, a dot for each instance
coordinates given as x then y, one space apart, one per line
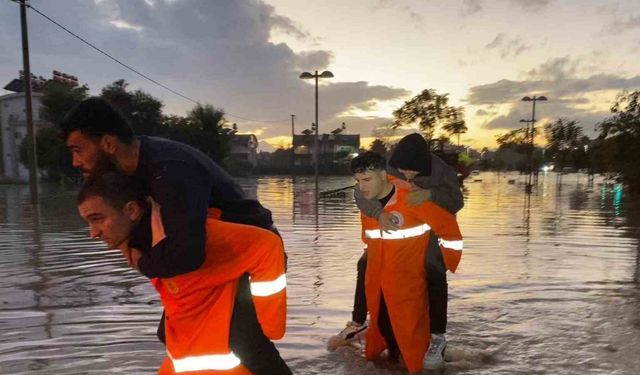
353 331
435 355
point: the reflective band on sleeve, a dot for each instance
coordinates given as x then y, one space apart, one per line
397 234
205 362
453 245
267 288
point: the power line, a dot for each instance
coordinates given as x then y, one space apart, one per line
136 71
111 57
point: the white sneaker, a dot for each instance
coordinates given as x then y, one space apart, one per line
435 355
353 331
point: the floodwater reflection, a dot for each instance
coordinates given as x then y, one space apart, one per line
549 282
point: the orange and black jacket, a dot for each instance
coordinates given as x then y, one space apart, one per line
199 304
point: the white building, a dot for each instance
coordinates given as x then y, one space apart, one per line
244 147
13 130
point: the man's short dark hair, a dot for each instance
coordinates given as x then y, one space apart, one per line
368 161
115 188
95 117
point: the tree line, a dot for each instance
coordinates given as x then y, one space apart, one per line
615 150
204 127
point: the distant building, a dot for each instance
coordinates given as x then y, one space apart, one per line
264 157
332 148
244 147
13 130
13 120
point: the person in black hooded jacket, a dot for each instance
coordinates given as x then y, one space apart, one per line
436 181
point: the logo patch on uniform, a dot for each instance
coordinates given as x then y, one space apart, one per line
397 218
172 287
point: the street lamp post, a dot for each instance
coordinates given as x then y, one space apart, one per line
527 138
293 151
533 99
307 75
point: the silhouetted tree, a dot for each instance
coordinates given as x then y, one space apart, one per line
621 136
428 110
517 140
58 98
142 109
379 147
54 160
564 137
454 122
213 135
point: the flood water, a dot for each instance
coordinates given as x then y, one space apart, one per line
548 284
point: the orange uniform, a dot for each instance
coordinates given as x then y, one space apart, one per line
396 269
199 304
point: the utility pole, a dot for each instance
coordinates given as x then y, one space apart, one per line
531 172
31 152
293 151
315 140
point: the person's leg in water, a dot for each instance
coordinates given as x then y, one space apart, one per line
356 328
160 331
246 339
384 324
359 313
437 287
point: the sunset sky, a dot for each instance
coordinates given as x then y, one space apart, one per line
245 56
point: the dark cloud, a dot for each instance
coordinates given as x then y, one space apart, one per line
555 79
216 52
470 7
555 69
482 112
339 97
530 4
289 27
608 9
623 24
545 112
508 47
358 125
508 91
313 60
413 15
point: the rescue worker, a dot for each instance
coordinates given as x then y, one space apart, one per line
395 285
198 304
437 182
186 183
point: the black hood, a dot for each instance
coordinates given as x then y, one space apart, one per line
412 153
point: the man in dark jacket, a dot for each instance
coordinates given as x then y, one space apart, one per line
434 180
186 183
